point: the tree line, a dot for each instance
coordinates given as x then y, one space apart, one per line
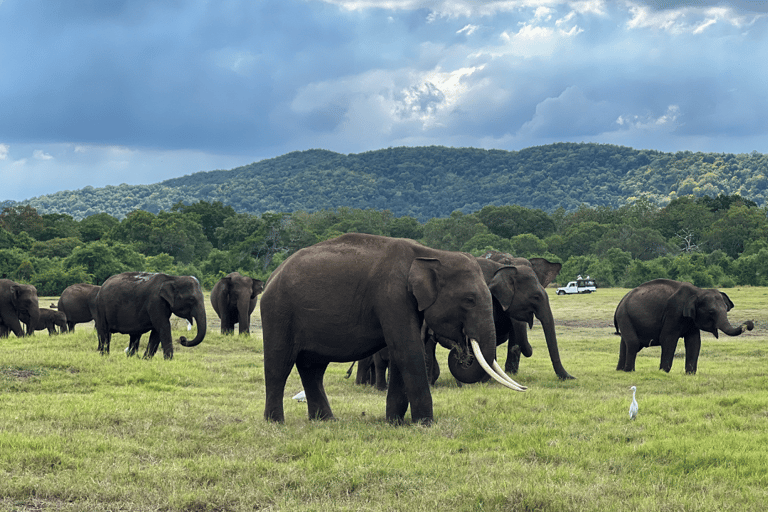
717 241
433 182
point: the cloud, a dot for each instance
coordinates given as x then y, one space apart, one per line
571 114
4 149
39 154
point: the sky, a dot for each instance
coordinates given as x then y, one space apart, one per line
104 92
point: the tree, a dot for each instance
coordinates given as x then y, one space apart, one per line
511 220
16 219
211 216
738 226
95 227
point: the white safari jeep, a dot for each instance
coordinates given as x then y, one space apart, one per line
580 285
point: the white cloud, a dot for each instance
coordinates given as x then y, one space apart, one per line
468 29
693 20
39 154
4 148
667 121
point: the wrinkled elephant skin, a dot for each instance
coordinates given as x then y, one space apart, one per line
662 311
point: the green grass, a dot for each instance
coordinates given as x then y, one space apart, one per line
83 432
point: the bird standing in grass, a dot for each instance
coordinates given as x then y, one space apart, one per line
633 405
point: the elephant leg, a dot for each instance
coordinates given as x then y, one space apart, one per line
152 345
512 365
518 344
133 345
70 326
364 371
433 367
408 384
692 348
380 366
104 339
668 347
311 374
279 357
397 400
227 325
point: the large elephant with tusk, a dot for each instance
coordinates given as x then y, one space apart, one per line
346 298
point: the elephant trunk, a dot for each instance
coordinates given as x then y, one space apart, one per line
548 325
725 326
200 320
243 313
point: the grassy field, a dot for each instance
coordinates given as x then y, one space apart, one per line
83 432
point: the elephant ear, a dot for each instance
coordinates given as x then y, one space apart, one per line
423 282
257 286
728 304
168 293
546 271
685 300
502 286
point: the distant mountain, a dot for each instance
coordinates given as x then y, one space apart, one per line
426 182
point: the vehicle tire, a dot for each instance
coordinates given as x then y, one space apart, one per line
560 292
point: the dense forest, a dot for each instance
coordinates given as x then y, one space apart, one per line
719 241
433 182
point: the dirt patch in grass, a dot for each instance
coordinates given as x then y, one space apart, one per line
20 373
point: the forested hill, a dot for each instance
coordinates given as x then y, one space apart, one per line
427 182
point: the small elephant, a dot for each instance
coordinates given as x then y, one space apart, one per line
346 298
18 303
78 303
234 298
660 312
49 319
136 302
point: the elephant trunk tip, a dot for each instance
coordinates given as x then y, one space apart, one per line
748 324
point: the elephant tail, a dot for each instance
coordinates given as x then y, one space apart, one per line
349 372
616 326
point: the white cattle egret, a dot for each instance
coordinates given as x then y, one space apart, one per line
633 405
300 396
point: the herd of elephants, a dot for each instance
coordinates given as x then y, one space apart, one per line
383 302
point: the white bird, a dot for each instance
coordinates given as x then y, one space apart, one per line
633 405
300 396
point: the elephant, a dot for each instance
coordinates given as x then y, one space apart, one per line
234 298
18 303
515 301
546 272
49 319
662 311
136 302
373 370
78 303
348 297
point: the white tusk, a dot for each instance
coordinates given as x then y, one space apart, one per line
504 375
495 376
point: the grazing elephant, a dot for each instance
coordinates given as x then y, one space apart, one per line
136 302
517 299
234 298
373 370
78 303
546 272
660 312
18 303
347 298
49 319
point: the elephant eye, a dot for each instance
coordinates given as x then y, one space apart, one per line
468 302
